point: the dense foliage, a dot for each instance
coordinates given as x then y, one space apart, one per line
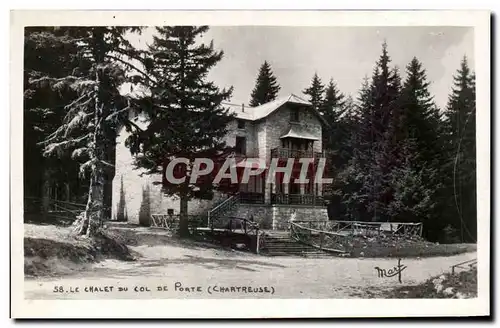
396 156
406 162
266 87
184 108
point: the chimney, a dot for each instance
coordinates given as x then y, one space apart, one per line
243 108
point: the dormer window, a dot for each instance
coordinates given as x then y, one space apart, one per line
294 115
241 124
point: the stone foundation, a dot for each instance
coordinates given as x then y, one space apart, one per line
277 217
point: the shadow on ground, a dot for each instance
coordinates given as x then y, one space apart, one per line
147 266
149 236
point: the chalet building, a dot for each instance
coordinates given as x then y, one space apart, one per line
287 127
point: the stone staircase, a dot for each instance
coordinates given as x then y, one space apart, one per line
279 243
217 215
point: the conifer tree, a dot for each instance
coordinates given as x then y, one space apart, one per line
460 119
332 108
415 125
266 87
420 118
45 54
184 110
315 92
89 123
375 151
333 102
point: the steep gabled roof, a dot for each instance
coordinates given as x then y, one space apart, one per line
264 110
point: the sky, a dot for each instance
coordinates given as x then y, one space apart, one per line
346 54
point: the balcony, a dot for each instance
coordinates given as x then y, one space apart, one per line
297 199
295 153
251 198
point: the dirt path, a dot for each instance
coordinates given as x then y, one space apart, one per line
210 273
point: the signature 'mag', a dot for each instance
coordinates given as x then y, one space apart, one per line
383 273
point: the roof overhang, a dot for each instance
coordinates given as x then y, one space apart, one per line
297 131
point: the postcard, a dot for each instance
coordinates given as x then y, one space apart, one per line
250 164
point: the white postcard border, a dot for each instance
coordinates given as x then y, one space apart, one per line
252 308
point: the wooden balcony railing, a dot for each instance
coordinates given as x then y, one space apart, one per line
294 153
298 199
251 198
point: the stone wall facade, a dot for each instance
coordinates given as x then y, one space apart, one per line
136 194
277 217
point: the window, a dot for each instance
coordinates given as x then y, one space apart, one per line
241 144
241 124
294 112
170 211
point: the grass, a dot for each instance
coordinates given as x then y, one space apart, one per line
51 250
407 247
458 285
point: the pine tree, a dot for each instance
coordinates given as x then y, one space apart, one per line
44 54
88 126
420 118
333 102
460 119
266 87
332 108
375 151
352 179
186 118
417 133
315 92
384 150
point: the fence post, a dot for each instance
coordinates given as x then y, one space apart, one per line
257 241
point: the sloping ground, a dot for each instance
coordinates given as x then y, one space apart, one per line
402 246
447 285
51 250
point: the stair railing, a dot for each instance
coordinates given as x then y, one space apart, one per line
225 206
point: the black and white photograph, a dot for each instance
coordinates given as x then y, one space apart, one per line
169 159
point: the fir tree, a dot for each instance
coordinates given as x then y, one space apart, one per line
416 122
315 92
420 118
333 103
266 87
88 126
186 118
460 119
45 54
375 151
335 133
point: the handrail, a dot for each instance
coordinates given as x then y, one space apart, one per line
316 230
363 222
409 228
55 201
471 263
295 235
233 198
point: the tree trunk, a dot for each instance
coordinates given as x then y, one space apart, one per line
183 217
92 217
46 192
93 211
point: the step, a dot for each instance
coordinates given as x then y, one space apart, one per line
312 255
